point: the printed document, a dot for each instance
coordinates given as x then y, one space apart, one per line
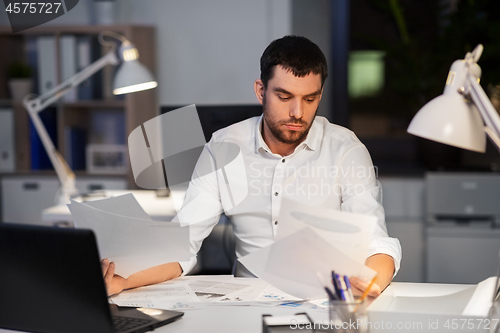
127 236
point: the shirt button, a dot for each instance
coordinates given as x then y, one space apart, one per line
275 222
276 194
283 161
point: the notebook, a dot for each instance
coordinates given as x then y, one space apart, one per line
51 281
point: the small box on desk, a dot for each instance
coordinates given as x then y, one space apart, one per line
291 323
419 307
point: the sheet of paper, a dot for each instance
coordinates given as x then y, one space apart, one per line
258 292
316 305
132 244
247 294
291 263
481 301
188 292
350 233
160 296
273 294
123 205
211 290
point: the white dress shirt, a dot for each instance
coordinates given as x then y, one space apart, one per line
331 168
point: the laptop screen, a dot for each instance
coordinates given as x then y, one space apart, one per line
51 281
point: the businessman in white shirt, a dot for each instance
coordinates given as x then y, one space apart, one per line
287 152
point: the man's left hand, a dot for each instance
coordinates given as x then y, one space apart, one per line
359 286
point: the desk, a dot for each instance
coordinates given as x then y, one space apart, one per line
249 318
231 319
224 319
159 208
243 319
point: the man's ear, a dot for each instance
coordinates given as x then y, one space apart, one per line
258 86
321 94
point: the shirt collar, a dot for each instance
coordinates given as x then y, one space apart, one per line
259 140
312 141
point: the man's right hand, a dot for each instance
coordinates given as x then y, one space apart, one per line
114 283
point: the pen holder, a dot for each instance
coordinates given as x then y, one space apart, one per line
348 317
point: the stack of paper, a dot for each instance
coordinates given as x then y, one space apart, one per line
127 236
313 240
195 292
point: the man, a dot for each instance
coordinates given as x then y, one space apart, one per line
284 152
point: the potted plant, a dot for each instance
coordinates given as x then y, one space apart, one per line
20 81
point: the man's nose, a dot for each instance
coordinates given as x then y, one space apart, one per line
296 110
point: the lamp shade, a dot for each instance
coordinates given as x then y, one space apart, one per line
132 76
452 120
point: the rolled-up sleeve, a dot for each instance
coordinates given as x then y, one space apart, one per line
362 193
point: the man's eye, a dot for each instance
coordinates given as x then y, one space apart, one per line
283 98
310 99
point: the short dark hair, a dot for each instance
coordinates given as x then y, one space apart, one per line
296 54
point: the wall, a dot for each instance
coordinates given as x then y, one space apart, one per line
311 19
209 51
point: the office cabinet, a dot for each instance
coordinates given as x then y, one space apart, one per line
462 254
25 197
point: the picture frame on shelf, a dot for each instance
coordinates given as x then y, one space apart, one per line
107 159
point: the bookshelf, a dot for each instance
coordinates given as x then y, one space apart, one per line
133 109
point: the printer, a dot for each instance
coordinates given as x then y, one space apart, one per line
462 226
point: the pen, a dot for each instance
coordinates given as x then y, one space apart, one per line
349 289
343 311
367 290
362 298
336 285
329 292
344 282
342 288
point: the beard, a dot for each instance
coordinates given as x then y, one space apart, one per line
283 134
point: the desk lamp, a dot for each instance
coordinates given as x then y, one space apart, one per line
132 76
462 115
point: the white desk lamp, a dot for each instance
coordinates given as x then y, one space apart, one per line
132 76
456 117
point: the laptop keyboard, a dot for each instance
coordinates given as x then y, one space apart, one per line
123 324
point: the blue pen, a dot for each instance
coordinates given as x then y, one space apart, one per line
349 289
336 285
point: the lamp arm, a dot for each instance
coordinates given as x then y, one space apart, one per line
36 105
41 102
487 111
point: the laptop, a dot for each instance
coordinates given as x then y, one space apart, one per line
51 281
